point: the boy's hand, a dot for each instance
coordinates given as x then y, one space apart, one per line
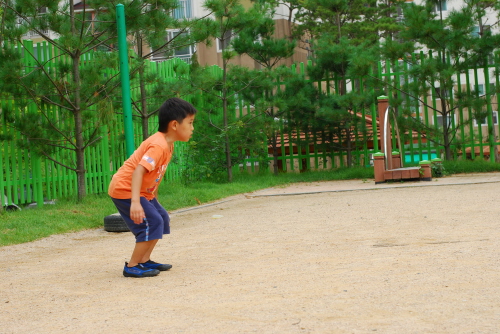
137 212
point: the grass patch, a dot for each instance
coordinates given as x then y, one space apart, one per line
470 166
63 217
69 216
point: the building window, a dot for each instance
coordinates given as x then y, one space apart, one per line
184 10
441 6
480 90
484 121
185 52
441 93
475 31
448 119
41 57
226 43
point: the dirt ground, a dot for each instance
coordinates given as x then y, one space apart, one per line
332 257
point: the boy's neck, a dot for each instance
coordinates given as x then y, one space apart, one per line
167 137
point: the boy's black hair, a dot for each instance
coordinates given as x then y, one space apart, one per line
173 109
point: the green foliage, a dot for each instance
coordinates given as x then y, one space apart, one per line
314 111
224 137
207 159
150 25
345 37
450 48
55 91
258 41
59 90
360 21
470 166
438 170
213 131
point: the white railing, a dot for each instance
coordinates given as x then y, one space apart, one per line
186 59
32 33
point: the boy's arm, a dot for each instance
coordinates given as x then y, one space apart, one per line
136 210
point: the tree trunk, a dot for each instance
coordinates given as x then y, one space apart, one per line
144 105
142 87
226 122
274 144
274 139
446 128
77 116
224 101
79 142
349 148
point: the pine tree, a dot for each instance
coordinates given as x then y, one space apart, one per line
449 46
154 31
343 37
222 88
260 43
62 97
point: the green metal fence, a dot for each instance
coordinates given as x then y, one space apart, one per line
27 178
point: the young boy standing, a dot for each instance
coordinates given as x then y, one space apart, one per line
134 187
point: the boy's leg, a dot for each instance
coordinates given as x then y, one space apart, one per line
147 233
142 252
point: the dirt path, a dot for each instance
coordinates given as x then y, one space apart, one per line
394 260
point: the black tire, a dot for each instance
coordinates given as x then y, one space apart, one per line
12 207
115 223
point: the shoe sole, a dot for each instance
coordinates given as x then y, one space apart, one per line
147 274
162 267
167 267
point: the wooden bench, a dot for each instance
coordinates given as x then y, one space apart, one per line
402 173
422 173
388 164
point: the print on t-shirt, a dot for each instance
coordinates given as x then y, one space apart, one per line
150 161
160 173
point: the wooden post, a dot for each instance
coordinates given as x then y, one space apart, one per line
396 160
379 167
425 165
385 134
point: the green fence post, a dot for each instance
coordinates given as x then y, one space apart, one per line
125 79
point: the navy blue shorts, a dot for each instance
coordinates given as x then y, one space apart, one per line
155 225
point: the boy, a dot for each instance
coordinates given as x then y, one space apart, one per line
134 187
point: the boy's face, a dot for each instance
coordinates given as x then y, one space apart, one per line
185 129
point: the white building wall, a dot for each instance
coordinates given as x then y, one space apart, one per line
490 18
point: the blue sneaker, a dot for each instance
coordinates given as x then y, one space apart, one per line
153 265
139 271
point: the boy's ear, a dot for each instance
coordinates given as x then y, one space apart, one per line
173 125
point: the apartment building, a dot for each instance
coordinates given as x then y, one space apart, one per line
476 79
206 55
212 55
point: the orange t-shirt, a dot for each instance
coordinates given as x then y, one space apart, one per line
154 154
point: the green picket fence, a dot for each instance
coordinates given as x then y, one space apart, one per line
27 178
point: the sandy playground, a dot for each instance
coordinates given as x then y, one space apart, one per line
332 257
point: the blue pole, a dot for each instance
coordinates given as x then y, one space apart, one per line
125 79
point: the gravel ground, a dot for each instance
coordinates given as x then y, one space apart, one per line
336 257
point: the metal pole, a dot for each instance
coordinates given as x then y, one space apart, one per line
125 79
